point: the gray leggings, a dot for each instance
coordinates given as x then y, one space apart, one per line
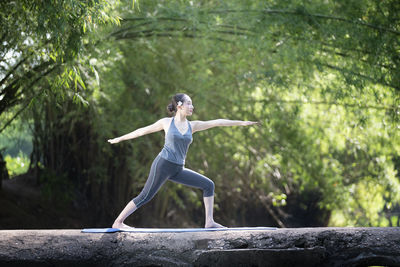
162 170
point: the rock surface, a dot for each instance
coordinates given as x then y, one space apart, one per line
282 247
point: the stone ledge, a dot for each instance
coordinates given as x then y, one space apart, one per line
282 247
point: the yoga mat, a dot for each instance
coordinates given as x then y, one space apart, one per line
172 230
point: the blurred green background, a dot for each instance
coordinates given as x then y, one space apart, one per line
322 77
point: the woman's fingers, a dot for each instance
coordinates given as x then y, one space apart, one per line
247 123
253 122
113 141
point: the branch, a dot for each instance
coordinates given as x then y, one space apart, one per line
180 20
148 32
358 74
341 51
13 88
243 30
344 55
264 200
13 69
327 103
331 45
15 115
302 13
187 35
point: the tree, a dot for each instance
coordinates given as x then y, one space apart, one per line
320 76
39 38
293 64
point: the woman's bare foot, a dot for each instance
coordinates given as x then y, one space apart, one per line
121 226
213 225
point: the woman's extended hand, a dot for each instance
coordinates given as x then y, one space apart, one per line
114 141
247 123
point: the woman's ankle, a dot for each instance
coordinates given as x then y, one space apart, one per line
117 223
213 224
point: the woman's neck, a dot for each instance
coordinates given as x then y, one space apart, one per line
180 117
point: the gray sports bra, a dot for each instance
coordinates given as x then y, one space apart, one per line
176 144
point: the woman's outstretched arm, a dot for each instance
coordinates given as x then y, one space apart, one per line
204 125
155 127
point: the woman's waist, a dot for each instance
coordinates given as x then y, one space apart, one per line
173 156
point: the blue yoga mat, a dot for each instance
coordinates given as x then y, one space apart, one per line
172 230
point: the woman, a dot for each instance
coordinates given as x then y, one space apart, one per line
169 164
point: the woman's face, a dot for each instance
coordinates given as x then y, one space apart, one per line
187 106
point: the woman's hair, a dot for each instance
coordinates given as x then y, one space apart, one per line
174 102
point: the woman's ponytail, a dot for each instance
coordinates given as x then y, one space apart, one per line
172 106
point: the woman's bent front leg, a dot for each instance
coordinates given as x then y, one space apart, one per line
194 179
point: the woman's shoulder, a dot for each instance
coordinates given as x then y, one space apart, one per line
166 121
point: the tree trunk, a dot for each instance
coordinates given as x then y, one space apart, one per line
3 170
282 247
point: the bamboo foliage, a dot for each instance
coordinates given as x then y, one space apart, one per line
321 77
